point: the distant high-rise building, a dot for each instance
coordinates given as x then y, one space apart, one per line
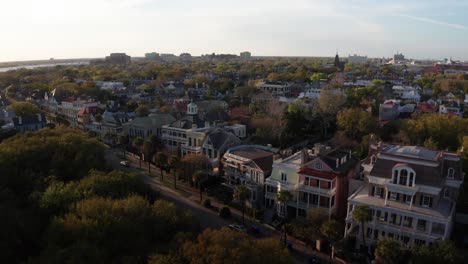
118 58
152 56
245 55
398 57
357 59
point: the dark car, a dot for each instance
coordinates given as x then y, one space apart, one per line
314 260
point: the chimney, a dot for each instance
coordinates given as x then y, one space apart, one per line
317 147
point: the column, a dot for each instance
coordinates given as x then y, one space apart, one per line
329 208
318 201
429 229
411 204
446 231
308 199
386 196
297 204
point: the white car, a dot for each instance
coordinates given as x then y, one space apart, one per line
237 227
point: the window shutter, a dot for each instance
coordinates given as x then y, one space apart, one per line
398 196
373 190
430 202
382 193
420 200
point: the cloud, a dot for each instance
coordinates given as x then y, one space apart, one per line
433 21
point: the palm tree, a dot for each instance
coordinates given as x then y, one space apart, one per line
284 197
241 194
331 230
138 143
161 162
388 251
123 140
173 163
148 151
197 177
362 213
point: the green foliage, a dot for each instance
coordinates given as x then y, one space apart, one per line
24 108
443 131
225 212
356 123
142 110
388 251
103 224
224 245
27 160
443 252
207 203
318 76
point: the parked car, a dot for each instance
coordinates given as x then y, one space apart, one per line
124 163
237 227
314 260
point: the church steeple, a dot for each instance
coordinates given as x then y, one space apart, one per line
337 60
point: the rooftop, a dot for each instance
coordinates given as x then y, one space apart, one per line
413 152
443 209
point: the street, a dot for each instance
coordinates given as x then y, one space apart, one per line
187 198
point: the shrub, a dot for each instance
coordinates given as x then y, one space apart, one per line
225 212
207 203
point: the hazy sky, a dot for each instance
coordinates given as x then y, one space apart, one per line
40 29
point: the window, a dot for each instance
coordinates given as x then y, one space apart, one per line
421 226
378 192
438 228
411 179
373 159
284 176
395 177
254 195
447 192
306 181
393 196
426 201
450 173
403 177
318 165
408 199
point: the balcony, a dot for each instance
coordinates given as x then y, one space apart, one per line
317 190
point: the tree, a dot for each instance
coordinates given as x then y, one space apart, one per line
138 143
192 163
142 110
161 162
197 179
241 194
148 151
329 104
173 163
284 197
123 140
96 228
227 246
442 252
331 230
389 251
318 76
362 214
445 130
355 122
23 109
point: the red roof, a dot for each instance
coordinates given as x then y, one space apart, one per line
425 107
316 173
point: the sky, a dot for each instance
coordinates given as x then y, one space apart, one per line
42 29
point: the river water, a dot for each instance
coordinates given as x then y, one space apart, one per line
5 69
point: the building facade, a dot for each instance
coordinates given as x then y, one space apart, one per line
411 192
249 165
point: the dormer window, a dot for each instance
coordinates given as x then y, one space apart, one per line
403 175
373 159
318 165
450 173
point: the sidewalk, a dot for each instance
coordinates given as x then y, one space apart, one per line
300 249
